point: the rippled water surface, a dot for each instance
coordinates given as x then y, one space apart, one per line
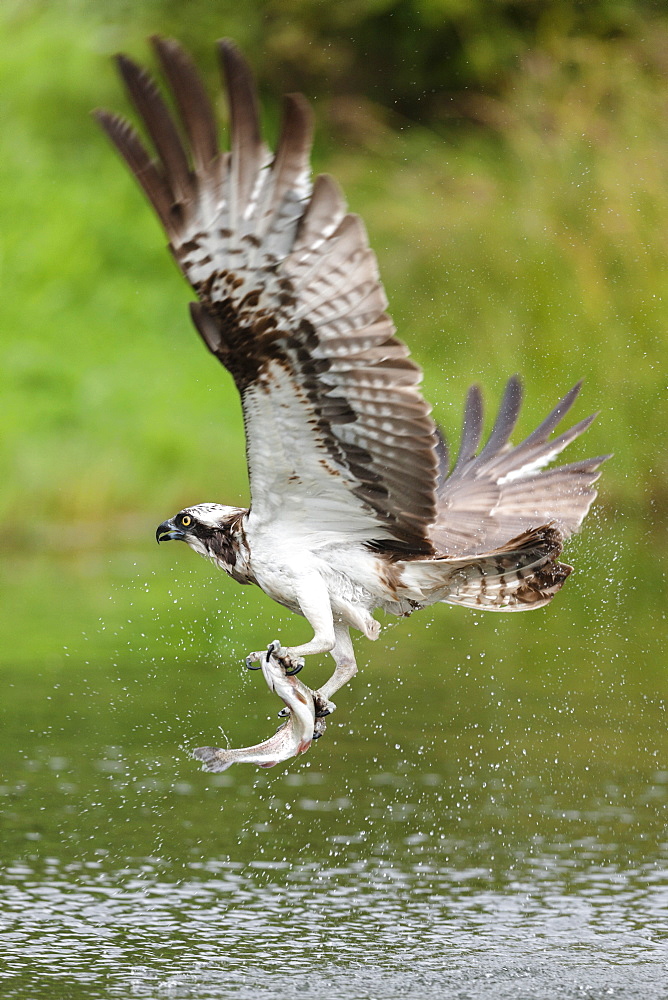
485 816
369 928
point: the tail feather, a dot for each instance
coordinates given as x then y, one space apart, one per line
525 574
521 575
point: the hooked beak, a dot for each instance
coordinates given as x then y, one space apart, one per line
166 531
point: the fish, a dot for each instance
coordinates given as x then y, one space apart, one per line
305 722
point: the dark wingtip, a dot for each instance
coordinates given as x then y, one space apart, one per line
162 45
298 116
570 397
515 389
235 65
166 47
232 58
114 125
127 67
475 395
228 45
299 103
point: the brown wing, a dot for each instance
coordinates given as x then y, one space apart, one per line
492 497
338 436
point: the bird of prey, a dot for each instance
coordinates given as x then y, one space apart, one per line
354 506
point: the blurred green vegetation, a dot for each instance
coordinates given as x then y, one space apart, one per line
509 161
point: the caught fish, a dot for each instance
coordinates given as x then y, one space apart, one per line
292 738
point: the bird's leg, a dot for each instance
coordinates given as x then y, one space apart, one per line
344 671
313 599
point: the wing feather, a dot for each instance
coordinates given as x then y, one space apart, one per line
146 98
322 215
194 106
505 421
290 180
338 436
248 152
505 491
146 170
471 431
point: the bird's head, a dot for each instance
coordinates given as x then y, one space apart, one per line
212 530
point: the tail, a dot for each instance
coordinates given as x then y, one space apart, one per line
521 575
502 493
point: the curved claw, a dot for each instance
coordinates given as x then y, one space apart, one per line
254 661
284 657
323 706
319 729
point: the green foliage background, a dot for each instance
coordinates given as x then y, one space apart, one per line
509 160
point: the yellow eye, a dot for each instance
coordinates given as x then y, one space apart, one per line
185 520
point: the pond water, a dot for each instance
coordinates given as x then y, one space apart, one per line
485 816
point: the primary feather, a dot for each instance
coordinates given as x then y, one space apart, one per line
291 303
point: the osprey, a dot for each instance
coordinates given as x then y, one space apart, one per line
353 505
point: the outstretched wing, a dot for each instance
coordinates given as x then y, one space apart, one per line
502 492
338 436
